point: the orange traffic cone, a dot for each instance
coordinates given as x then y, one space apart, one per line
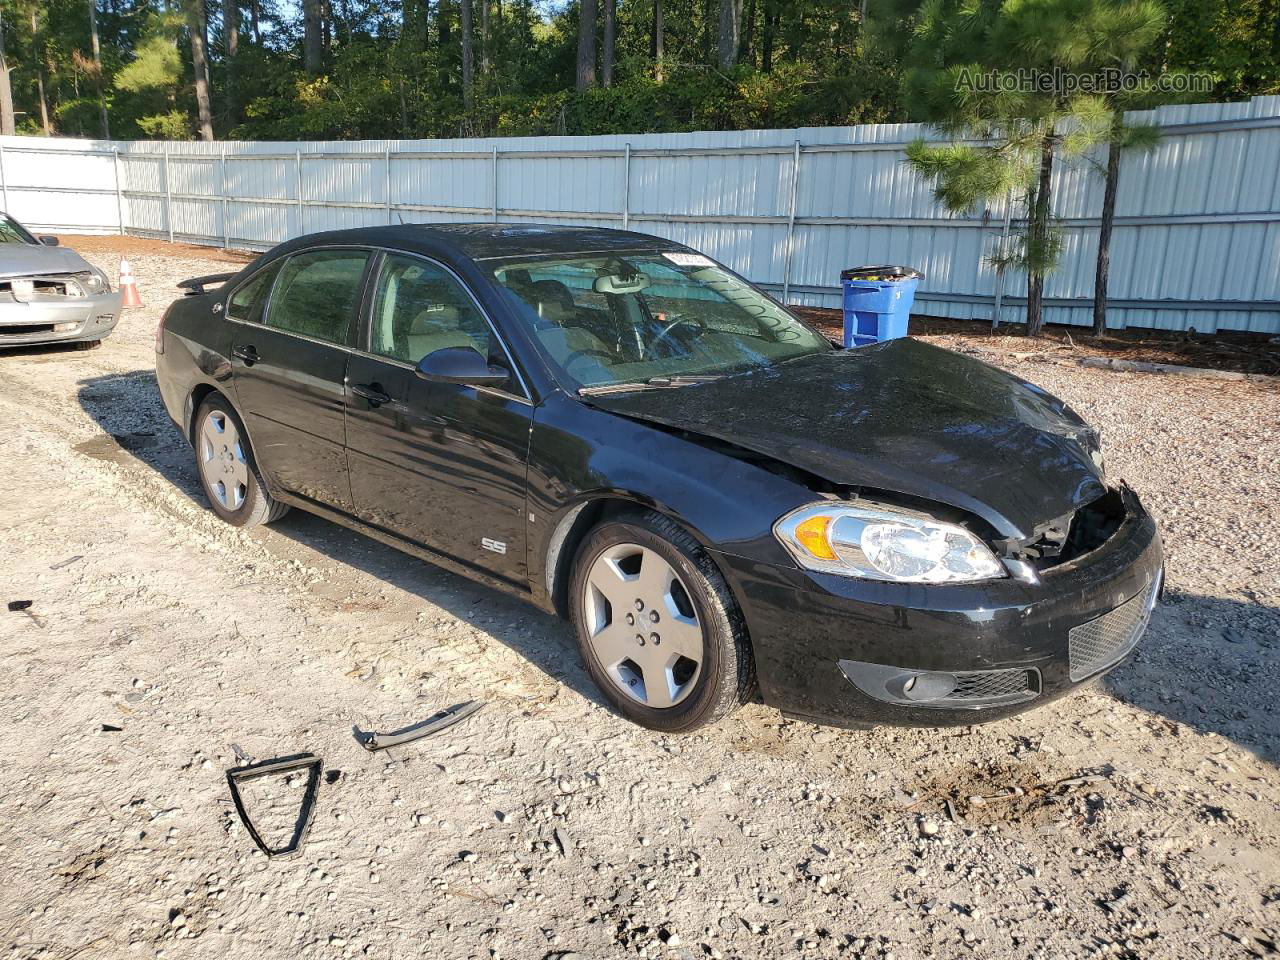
128 286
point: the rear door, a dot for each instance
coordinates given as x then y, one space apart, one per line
441 464
289 362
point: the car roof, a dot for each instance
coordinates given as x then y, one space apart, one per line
487 241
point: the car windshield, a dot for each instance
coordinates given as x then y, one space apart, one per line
658 317
13 232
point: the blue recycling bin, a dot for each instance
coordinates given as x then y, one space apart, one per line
877 303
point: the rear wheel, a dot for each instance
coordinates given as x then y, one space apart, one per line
227 469
659 631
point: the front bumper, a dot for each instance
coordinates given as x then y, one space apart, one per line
58 319
843 651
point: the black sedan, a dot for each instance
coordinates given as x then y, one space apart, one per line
622 431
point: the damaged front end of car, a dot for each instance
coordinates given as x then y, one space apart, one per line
64 307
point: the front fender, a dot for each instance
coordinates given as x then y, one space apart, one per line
582 458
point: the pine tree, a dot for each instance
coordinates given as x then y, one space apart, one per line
959 47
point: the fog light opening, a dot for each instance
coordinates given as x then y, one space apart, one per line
929 686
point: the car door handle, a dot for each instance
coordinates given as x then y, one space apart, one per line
248 354
371 392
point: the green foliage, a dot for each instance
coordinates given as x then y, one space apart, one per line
156 64
392 68
174 125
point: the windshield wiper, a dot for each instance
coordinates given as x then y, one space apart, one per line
653 383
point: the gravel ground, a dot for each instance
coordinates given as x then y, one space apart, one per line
1138 818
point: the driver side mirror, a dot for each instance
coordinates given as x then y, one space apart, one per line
47 240
461 365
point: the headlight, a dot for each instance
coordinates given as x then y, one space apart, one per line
879 544
94 282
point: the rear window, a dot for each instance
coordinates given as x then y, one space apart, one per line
317 292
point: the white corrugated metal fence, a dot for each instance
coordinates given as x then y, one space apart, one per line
1196 244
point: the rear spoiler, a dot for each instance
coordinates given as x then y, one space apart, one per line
196 285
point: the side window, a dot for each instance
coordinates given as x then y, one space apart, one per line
317 293
419 308
246 302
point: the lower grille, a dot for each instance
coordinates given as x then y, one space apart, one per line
1004 685
1105 641
959 690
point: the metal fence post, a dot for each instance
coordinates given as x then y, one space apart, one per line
387 181
115 162
297 159
4 180
222 191
168 198
626 187
791 225
1001 253
494 185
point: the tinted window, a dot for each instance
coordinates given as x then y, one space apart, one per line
317 292
246 301
419 307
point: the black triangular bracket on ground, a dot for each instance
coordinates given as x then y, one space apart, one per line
301 761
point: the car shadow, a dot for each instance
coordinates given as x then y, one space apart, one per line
137 431
1207 662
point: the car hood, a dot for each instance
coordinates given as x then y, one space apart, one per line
27 260
900 416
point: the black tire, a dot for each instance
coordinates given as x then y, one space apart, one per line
258 506
726 679
87 345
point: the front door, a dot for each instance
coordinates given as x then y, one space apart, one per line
440 464
289 370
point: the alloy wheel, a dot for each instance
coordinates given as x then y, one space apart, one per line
642 625
222 460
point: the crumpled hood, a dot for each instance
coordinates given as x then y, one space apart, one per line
25 260
901 416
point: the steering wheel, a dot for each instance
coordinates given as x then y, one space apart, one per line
665 333
577 355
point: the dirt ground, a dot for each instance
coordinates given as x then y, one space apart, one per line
1138 818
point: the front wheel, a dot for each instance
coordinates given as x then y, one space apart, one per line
659 630
228 472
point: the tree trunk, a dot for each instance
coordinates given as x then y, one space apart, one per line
609 44
253 22
748 46
200 64
7 127
231 44
97 68
730 32
40 52
1104 231
468 70
656 40
486 64
587 45
313 38
766 38
1038 229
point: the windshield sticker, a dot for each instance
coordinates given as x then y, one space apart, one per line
689 260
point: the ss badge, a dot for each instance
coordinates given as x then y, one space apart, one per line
496 546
